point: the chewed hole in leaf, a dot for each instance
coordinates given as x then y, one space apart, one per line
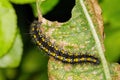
61 12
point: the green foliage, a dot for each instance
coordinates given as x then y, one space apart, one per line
22 1
13 56
34 64
11 46
45 6
10 41
111 10
8 26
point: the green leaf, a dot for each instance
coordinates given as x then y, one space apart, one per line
81 34
111 10
38 61
36 64
8 24
22 1
112 29
2 76
13 57
112 44
45 6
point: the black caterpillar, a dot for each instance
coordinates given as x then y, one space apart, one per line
59 54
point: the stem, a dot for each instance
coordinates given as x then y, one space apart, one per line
38 2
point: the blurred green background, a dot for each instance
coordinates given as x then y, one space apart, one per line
20 59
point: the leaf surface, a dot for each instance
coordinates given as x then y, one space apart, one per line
13 56
8 24
82 33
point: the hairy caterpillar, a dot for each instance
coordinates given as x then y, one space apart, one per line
59 54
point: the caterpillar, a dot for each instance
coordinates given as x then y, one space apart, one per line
59 54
